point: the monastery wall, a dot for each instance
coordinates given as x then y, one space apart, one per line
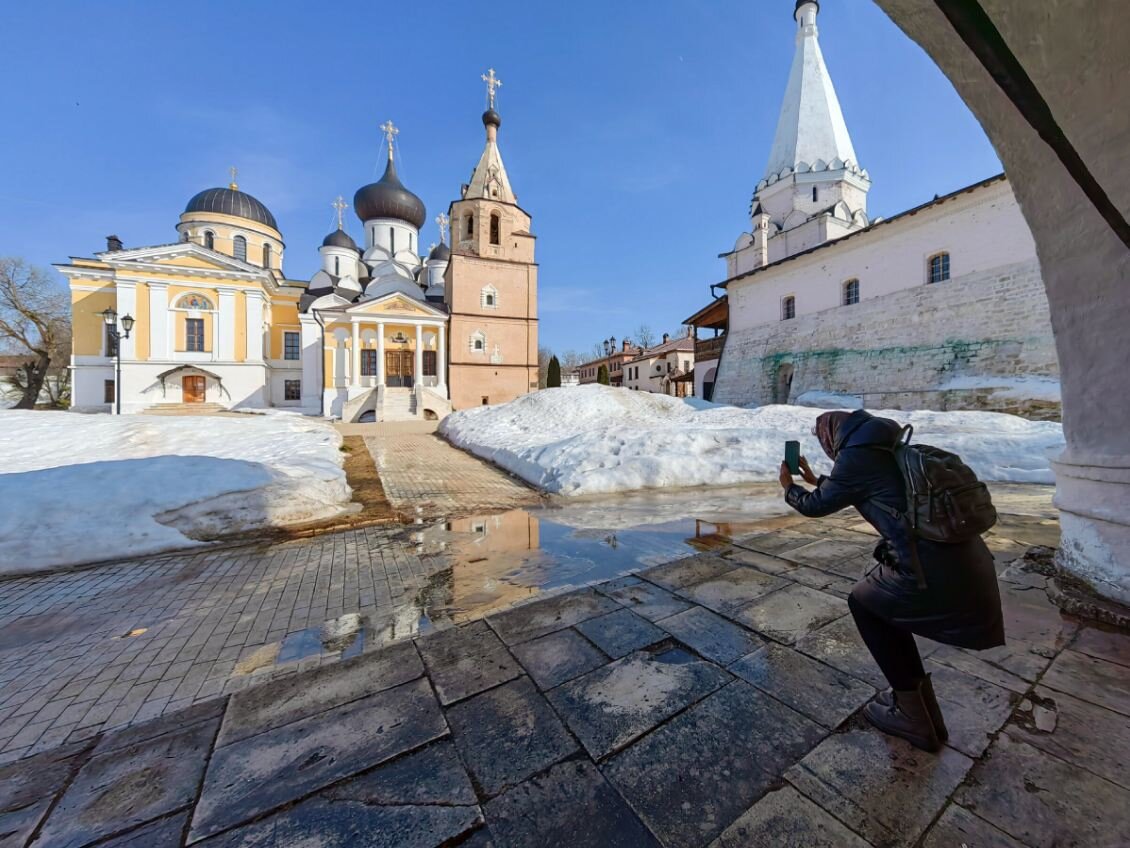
899 350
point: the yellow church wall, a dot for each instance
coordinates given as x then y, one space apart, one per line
284 319
240 327
141 323
86 320
225 228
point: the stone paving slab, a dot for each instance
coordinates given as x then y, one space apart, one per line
620 633
974 709
507 735
422 800
257 774
879 786
1043 801
791 613
1096 681
166 831
786 819
958 827
694 775
558 657
28 789
572 805
291 698
813 689
530 621
613 705
839 645
466 660
728 592
765 563
711 636
645 599
1103 643
684 572
130 786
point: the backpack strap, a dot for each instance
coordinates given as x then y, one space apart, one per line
904 516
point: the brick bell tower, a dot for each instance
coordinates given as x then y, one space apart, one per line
491 283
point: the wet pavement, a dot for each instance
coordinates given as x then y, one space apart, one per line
710 700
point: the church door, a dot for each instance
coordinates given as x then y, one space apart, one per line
399 365
193 389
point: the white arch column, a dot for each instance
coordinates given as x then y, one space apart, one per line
355 370
418 379
441 358
381 376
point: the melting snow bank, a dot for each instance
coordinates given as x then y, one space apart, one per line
594 439
81 488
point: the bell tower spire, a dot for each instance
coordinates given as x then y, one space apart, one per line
489 178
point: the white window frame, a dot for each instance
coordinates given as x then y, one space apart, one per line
491 293
785 299
480 337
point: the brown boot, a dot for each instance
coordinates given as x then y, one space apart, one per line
907 717
887 699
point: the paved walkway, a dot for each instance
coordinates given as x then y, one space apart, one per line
711 701
424 475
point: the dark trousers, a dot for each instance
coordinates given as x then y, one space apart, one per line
893 648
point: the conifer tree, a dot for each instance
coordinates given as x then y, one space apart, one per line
553 378
602 375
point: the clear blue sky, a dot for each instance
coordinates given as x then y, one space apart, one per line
633 133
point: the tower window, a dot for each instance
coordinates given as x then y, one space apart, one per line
815 194
239 248
939 268
194 334
851 292
337 266
495 229
392 239
470 225
266 255
209 240
788 308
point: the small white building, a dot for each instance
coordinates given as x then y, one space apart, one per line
659 368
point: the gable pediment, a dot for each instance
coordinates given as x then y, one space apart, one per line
396 304
182 256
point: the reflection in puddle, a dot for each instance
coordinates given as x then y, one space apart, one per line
486 563
344 636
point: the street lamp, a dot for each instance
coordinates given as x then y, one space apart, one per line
111 319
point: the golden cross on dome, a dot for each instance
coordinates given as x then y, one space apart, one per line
492 82
391 132
234 171
339 205
442 222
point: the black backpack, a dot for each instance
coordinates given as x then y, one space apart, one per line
945 502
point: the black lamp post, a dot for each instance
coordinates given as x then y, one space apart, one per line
111 319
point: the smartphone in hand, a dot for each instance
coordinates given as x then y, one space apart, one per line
792 456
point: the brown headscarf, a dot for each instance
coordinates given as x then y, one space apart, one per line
827 428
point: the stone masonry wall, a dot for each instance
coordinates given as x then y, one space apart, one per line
898 349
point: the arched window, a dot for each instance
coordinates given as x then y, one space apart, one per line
209 240
478 342
392 239
788 308
239 248
266 255
495 229
337 266
469 225
938 268
194 301
851 292
815 194
488 297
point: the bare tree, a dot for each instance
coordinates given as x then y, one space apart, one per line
570 360
35 323
544 355
644 336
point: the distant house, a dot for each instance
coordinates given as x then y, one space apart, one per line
570 378
588 372
663 369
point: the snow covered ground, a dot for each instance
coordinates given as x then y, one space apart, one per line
81 488
594 439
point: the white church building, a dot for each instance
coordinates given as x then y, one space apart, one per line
941 306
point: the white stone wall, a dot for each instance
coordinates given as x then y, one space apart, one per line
897 348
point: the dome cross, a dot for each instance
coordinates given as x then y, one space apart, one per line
233 171
391 132
340 206
442 221
492 82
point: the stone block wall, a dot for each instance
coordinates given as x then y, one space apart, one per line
898 350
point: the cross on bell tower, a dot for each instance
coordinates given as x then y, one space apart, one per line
493 83
391 132
442 221
340 206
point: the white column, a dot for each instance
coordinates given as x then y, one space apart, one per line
441 357
418 378
355 375
254 325
381 376
223 346
127 305
158 321
313 363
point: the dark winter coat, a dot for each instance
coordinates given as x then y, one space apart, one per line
960 604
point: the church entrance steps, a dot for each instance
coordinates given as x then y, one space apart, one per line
185 409
399 405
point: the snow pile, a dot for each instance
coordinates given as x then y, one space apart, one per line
81 488
594 439
1010 388
829 400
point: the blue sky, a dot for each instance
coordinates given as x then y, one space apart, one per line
633 133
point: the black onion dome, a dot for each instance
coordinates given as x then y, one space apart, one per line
441 251
388 198
492 119
800 3
230 201
339 238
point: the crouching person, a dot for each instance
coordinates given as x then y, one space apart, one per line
949 596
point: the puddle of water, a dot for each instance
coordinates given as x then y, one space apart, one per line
490 562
